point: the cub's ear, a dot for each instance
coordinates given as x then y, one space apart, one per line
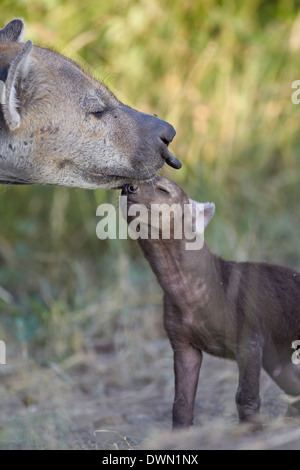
15 86
13 31
209 210
198 208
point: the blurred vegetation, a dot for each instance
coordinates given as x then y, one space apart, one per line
221 73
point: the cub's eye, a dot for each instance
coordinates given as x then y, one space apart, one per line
163 190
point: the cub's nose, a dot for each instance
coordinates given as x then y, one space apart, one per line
129 189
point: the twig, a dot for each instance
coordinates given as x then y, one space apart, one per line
115 432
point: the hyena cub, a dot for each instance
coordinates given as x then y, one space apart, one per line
248 312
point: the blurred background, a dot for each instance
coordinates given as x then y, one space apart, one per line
221 73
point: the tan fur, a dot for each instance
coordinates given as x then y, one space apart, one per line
49 133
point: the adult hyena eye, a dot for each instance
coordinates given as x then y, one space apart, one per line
98 114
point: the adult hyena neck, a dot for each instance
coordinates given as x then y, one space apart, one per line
183 273
15 159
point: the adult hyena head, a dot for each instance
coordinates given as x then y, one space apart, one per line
60 126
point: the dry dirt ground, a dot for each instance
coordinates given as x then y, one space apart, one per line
108 399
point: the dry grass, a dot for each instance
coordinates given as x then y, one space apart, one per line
98 400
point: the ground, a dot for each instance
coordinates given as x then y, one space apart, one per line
103 399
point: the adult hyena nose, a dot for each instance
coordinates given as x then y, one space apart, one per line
166 134
154 135
166 137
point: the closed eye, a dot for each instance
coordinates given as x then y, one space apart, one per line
163 190
98 114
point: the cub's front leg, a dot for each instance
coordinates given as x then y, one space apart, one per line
187 363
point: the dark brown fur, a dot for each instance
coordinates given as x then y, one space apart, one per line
249 312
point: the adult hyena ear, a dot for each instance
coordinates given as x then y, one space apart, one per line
15 86
13 31
200 210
